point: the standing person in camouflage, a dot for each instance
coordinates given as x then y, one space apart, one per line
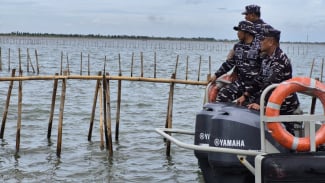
245 60
253 14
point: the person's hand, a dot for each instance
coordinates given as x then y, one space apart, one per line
241 100
230 54
254 106
213 79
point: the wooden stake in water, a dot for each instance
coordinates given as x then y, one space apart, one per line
5 112
20 96
36 58
88 65
80 63
169 117
199 72
312 68
61 63
322 71
176 65
141 64
109 119
186 75
62 100
19 60
105 114
94 107
119 91
101 118
49 128
8 59
68 65
132 60
155 65
29 62
313 102
209 65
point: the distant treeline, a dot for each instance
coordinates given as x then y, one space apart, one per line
107 36
130 37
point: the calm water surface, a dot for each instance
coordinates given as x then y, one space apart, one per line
139 154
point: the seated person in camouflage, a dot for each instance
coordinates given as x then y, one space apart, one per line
245 60
276 67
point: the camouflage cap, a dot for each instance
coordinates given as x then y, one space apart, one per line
245 26
269 31
252 9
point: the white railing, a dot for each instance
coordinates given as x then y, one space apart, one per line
307 118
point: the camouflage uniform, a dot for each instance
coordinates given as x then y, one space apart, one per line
247 66
275 69
258 24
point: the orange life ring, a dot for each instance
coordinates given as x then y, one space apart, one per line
279 133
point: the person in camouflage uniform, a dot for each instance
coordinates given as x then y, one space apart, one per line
276 68
253 14
245 60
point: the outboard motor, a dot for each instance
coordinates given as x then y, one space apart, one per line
227 125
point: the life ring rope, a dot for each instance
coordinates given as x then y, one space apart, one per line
284 89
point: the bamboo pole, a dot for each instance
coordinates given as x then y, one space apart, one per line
20 96
104 101
49 128
19 60
313 99
141 64
132 60
29 62
156 80
5 112
9 59
322 71
109 120
101 128
88 65
80 63
68 65
313 102
186 74
62 100
119 89
169 117
176 65
61 64
98 85
155 65
36 58
27 65
209 72
199 71
312 68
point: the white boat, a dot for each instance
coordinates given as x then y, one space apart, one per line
234 144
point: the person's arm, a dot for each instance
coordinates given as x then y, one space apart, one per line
225 67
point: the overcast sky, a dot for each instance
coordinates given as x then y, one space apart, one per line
298 20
